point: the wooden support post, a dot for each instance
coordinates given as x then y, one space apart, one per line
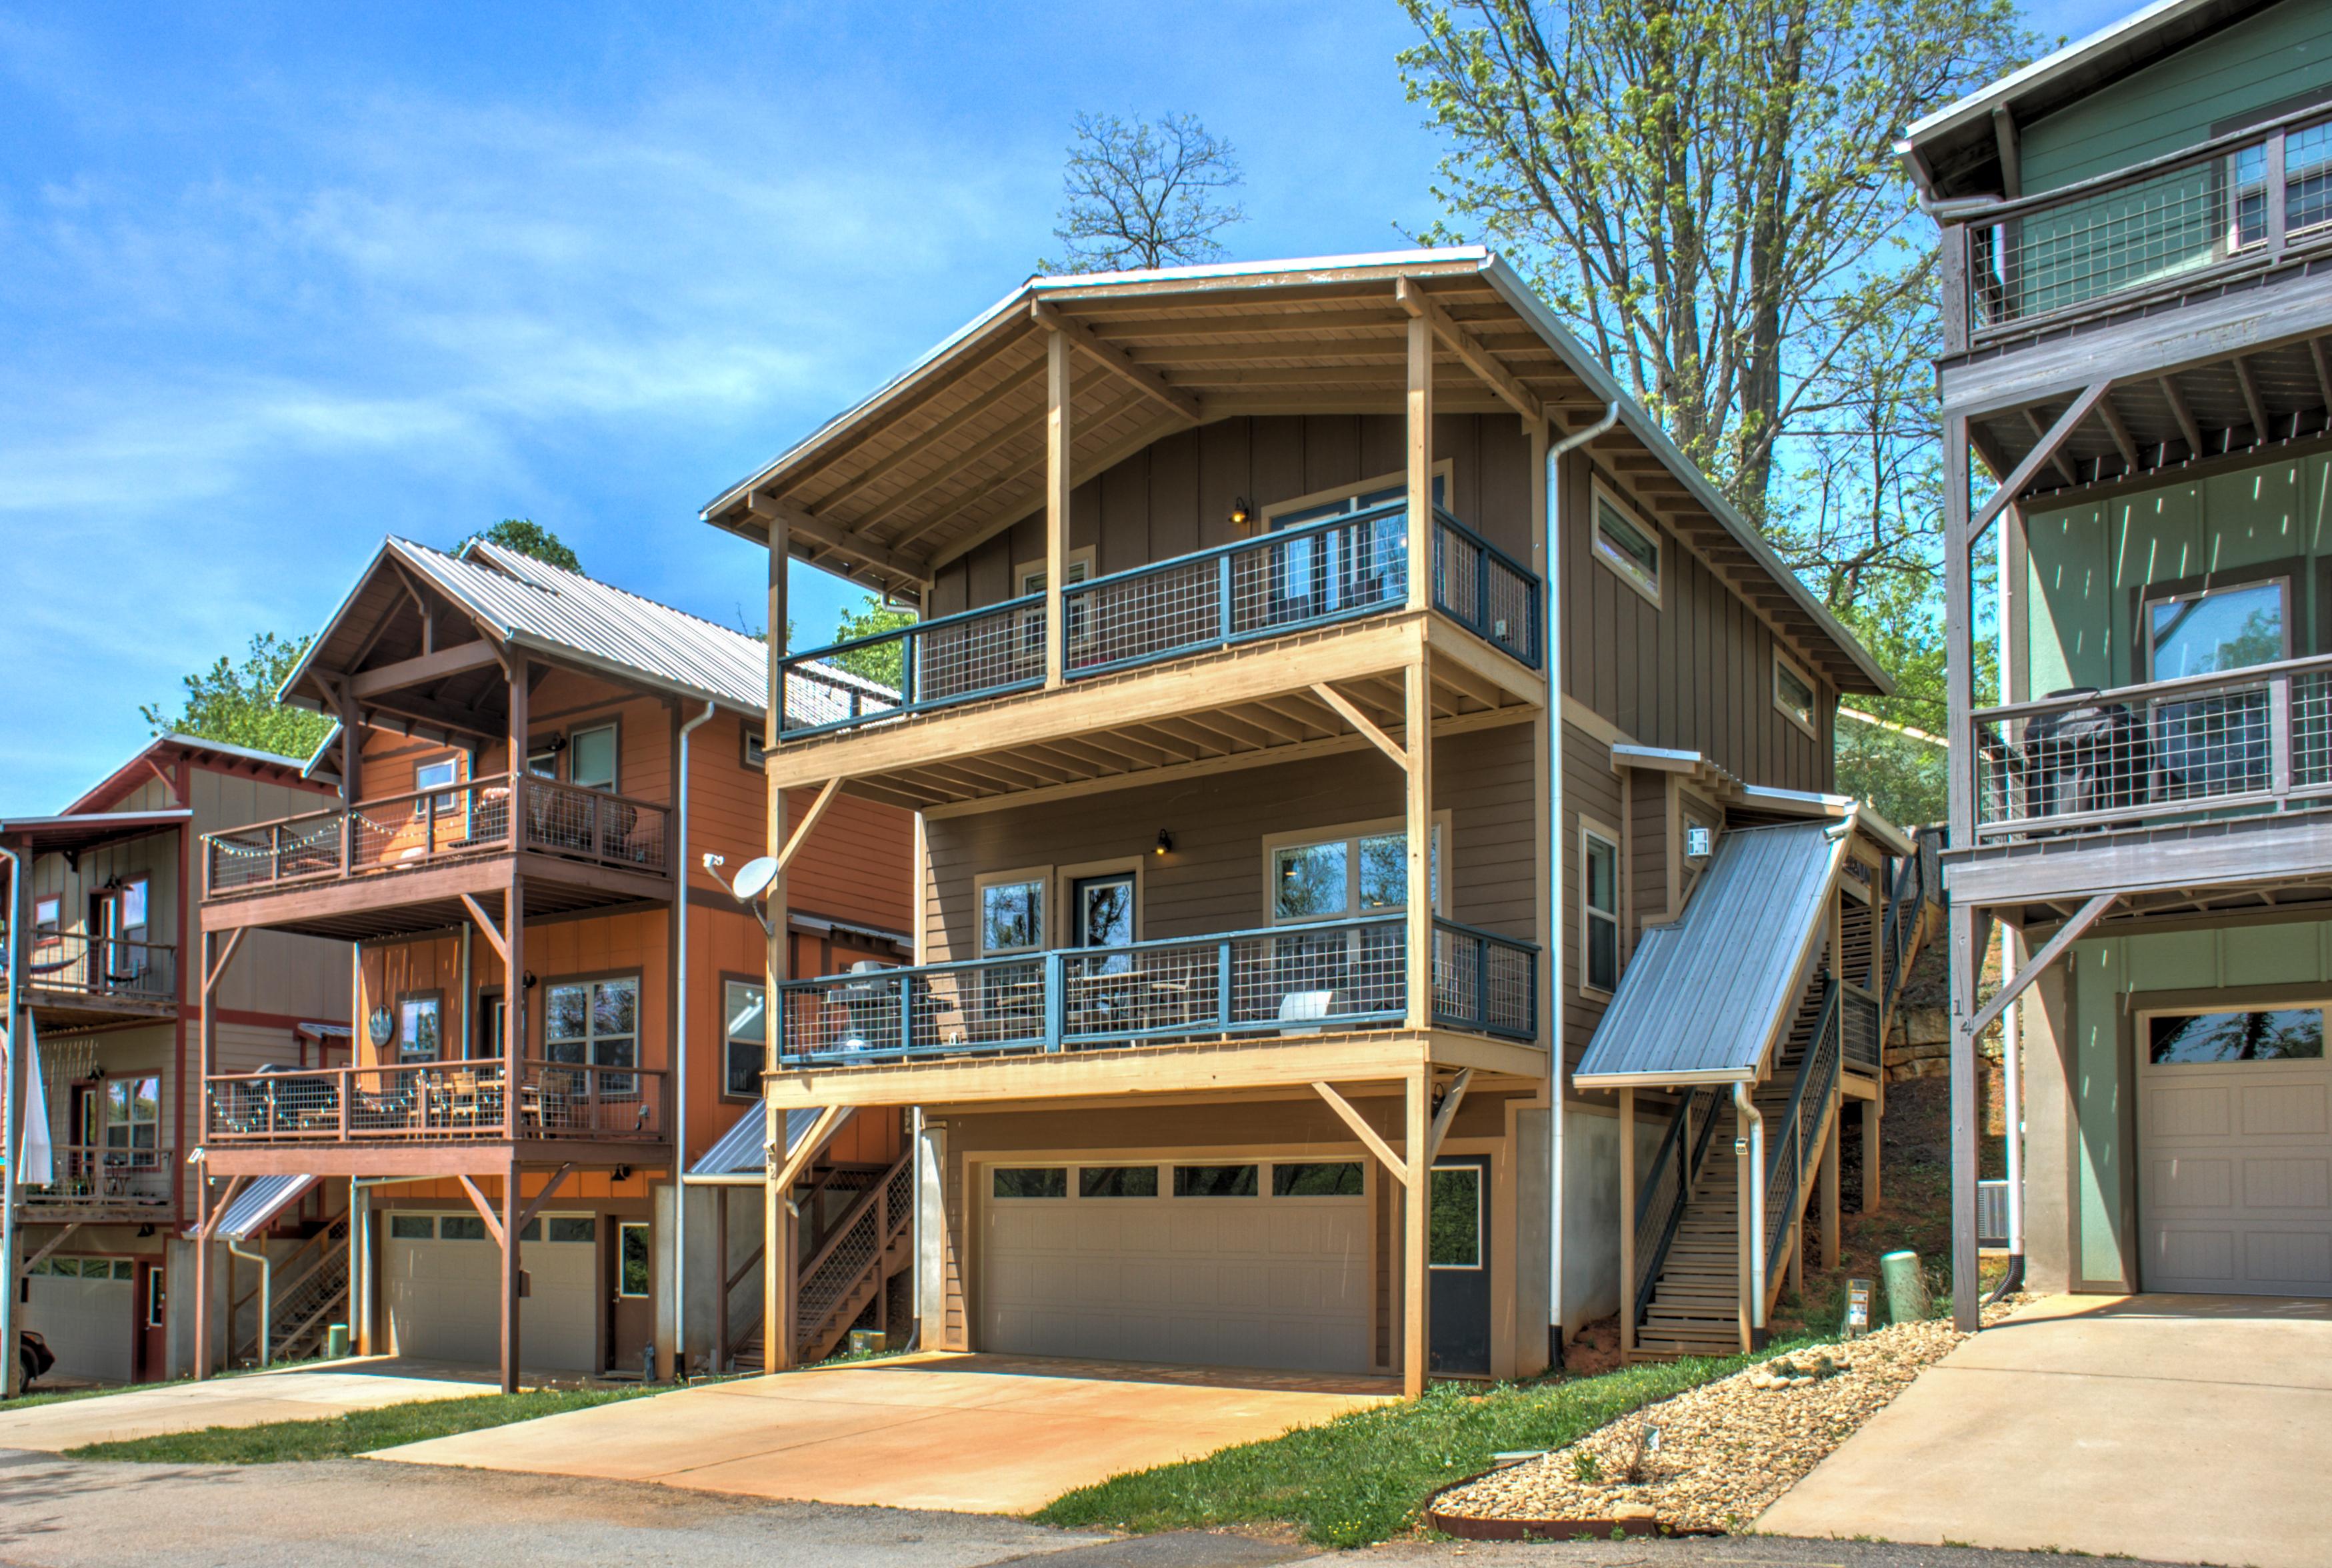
1060 380
1628 1222
1871 1118
719 1280
1420 463
1418 796
1959 633
517 1031
511 1227
777 1216
1416 1213
1745 1171
1828 1185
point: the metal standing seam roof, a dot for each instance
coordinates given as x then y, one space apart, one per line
1701 995
259 1201
742 1150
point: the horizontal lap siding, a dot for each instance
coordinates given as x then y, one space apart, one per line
1590 789
1213 882
1176 496
1694 672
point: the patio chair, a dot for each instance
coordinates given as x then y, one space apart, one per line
1304 1012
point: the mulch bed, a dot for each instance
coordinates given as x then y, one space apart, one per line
1726 1450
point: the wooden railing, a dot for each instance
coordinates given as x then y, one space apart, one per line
76 964
438 1103
2250 740
2236 204
1674 1171
425 827
101 1177
1295 579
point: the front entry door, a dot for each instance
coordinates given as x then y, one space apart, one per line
1457 1252
1104 910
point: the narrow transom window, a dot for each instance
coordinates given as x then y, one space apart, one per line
1793 694
1628 548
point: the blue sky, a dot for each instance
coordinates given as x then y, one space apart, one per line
277 279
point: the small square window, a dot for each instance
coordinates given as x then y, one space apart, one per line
591 758
1631 550
573 1228
1046 1181
757 751
1215 1181
1118 1182
1011 916
47 918
1337 1178
412 1227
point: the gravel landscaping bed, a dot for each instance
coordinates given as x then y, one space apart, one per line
1726 1450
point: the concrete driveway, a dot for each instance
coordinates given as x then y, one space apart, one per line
980 1433
2185 1427
303 1394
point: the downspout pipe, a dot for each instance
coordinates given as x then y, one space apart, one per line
1550 622
1745 1103
680 1069
11 1371
267 1298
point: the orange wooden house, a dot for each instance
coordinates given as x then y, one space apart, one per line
542 776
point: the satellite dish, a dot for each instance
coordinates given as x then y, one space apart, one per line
753 879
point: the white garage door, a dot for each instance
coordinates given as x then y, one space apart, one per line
1232 1264
2235 1151
85 1308
443 1278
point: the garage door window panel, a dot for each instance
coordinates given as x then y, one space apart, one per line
1216 1181
2256 1035
1118 1182
1334 1179
1014 1182
461 1228
412 1227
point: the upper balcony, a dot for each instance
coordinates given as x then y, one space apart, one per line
2191 224
76 977
1295 581
404 862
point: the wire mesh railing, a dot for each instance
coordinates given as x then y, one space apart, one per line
1789 1143
438 1102
77 965
421 829
1278 979
839 1279
1292 580
1858 1029
2238 200
2090 761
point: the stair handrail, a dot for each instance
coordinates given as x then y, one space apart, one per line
1672 1171
850 1217
1818 1071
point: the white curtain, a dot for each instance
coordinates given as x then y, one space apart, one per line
39 1155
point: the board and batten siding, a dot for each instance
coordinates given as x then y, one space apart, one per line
1214 880
2260 66
1591 791
1695 673
1176 496
273 971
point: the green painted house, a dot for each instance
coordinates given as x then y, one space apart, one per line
2136 377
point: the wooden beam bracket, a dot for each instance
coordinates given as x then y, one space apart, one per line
1395 1166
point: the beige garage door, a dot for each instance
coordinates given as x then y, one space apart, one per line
1251 1263
2235 1151
84 1308
442 1282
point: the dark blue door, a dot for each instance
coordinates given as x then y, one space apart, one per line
1457 1252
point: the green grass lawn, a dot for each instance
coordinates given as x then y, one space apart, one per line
1364 1477
358 1433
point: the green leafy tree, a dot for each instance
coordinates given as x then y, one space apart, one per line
872 618
1144 193
528 536
235 703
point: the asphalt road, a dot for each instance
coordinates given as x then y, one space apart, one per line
66 1513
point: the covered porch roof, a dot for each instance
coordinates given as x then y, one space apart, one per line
954 451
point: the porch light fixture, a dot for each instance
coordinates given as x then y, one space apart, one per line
1165 845
1239 513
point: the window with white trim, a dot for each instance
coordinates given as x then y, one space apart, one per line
596 1022
744 1036
48 918
1598 910
1031 573
1346 871
133 1119
591 756
1793 694
1629 547
1012 909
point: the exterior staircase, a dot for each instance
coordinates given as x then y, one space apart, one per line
846 1275
310 1292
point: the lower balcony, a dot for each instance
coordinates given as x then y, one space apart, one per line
434 1107
1289 982
104 1184
80 978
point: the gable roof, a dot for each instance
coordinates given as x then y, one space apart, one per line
132 774
1954 152
521 603
951 450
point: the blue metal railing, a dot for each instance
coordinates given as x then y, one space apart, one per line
1288 979
1296 579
